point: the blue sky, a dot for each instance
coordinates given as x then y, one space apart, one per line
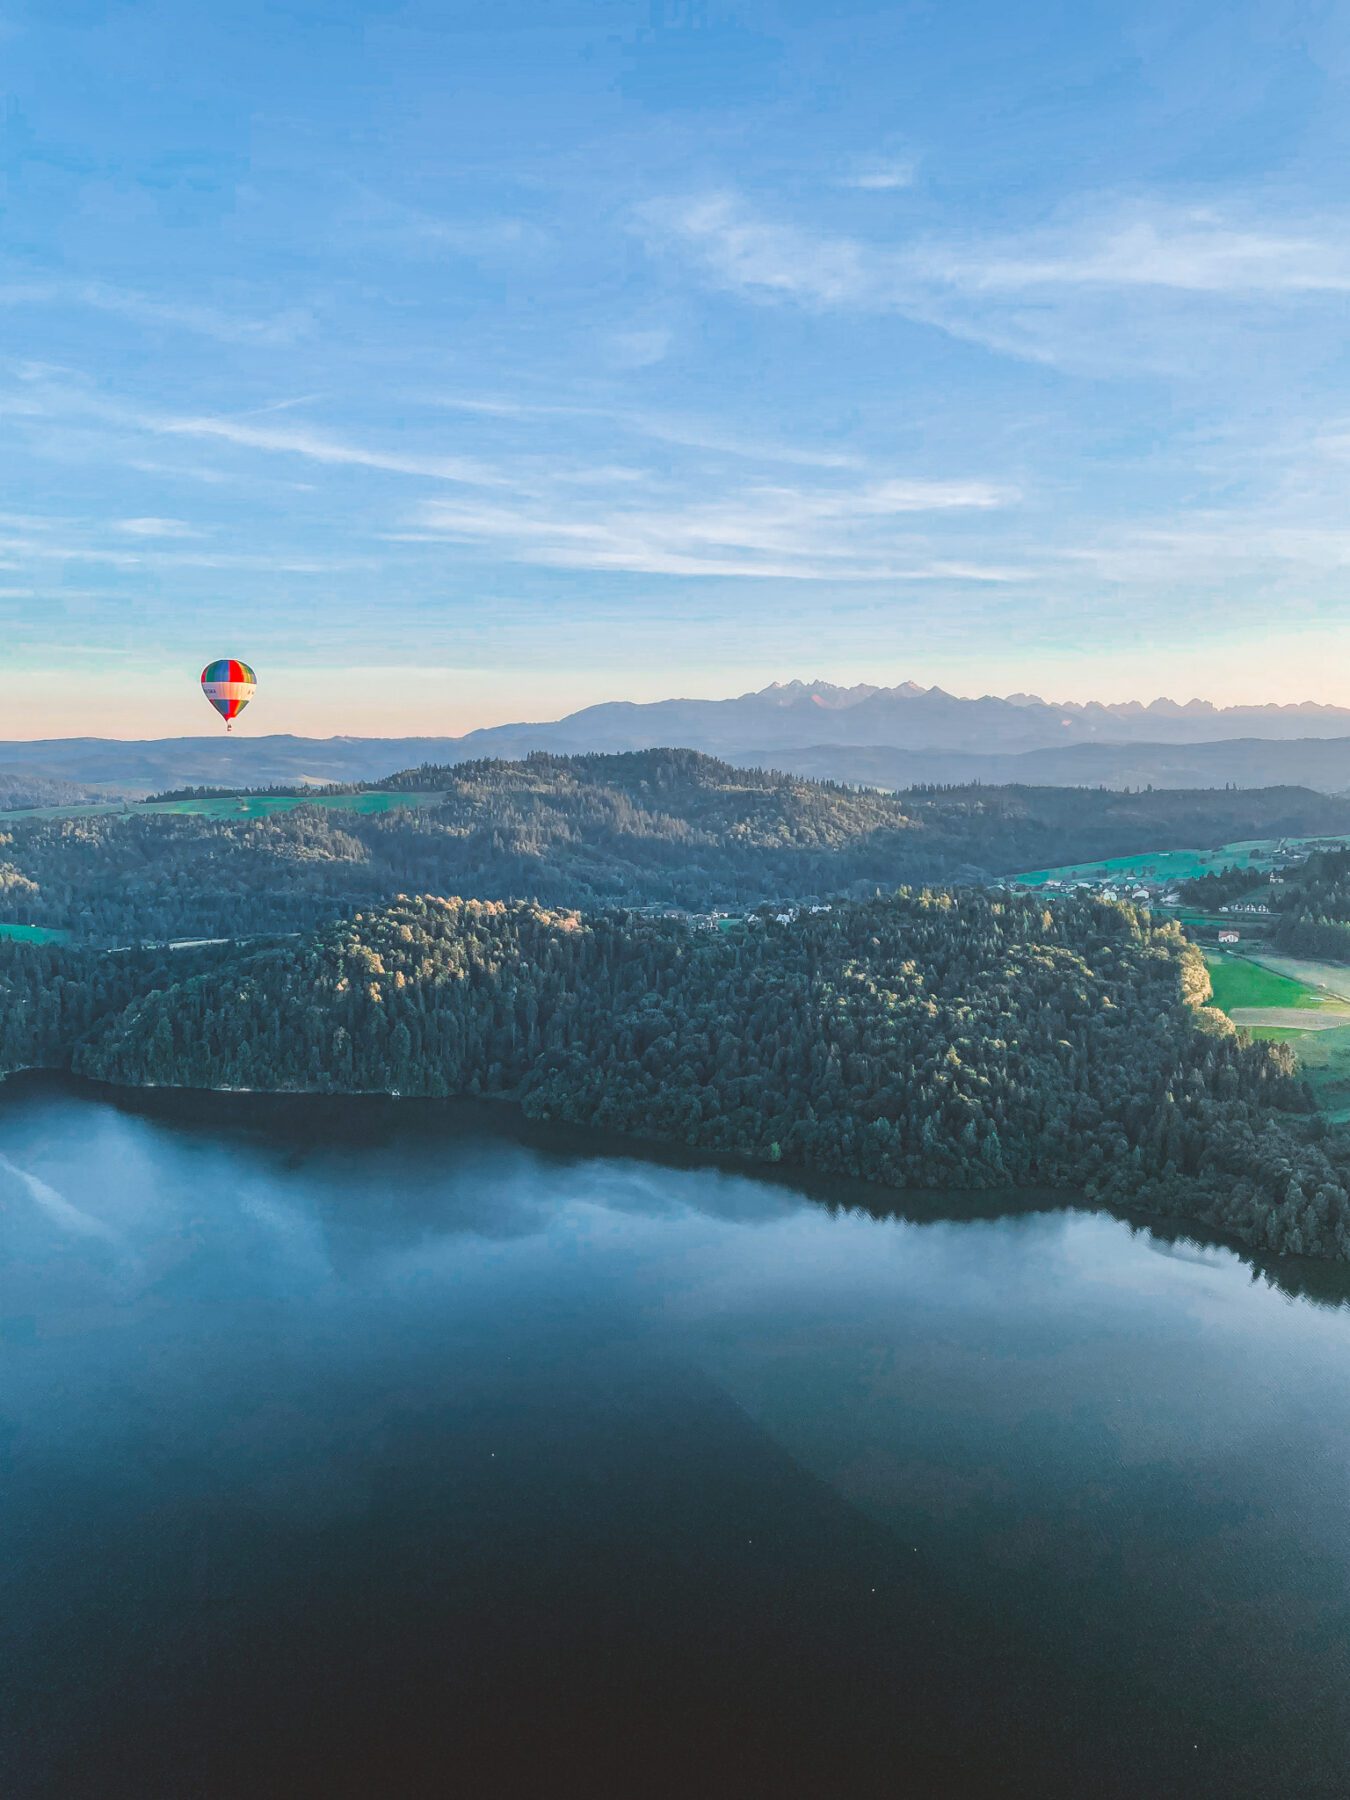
461 363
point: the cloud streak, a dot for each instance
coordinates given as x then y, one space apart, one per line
881 175
17 552
1207 548
526 508
157 528
686 433
762 532
1127 274
144 309
320 447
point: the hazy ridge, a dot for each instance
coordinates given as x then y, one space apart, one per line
886 737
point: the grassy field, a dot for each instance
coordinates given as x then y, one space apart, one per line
1187 915
1313 988
1258 854
1157 865
1330 977
233 806
1239 983
259 806
33 934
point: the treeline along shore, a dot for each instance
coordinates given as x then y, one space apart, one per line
930 1038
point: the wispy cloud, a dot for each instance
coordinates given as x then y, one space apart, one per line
157 528
1213 547
881 174
319 447
640 349
145 309
394 224
21 550
844 534
695 434
550 510
478 237
688 433
529 470
148 465
1190 249
741 250
1057 291
529 467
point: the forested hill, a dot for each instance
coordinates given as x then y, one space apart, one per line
18 789
661 828
926 1039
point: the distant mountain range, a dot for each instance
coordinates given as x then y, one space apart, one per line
798 715
1320 763
883 737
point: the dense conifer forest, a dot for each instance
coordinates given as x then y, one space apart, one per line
1315 908
1221 887
661 828
931 1039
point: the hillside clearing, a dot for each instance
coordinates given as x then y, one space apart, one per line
1329 978
1248 985
1261 855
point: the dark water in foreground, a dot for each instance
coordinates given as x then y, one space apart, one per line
383 1452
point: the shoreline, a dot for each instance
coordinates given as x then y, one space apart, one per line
295 1111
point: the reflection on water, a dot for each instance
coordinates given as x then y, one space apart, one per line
357 1450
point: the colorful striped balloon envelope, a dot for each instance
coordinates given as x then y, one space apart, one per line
229 686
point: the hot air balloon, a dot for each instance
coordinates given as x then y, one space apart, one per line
229 686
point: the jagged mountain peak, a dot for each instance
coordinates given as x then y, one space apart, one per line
905 716
816 693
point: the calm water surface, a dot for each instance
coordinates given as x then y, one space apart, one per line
376 1450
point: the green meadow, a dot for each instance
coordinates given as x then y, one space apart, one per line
261 806
1257 854
1323 1056
1238 983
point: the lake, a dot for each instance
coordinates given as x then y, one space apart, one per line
390 1449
